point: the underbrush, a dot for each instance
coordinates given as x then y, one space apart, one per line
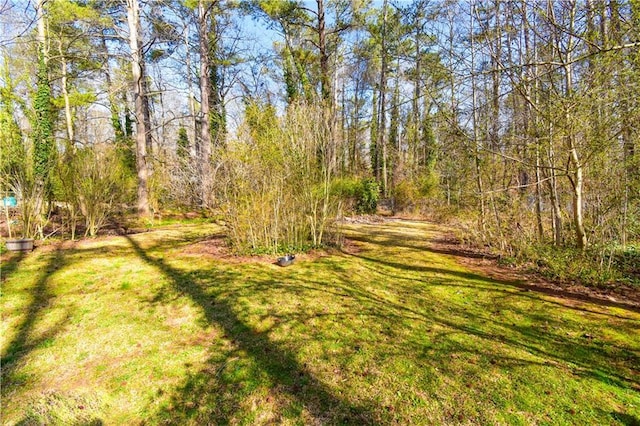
278 195
596 266
599 265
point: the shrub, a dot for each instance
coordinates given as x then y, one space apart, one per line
367 196
32 213
405 195
415 193
429 184
276 181
361 195
596 266
93 184
628 261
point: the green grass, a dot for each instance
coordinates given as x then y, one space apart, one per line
146 330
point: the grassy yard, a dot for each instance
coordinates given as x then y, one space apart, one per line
160 328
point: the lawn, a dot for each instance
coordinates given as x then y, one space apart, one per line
163 328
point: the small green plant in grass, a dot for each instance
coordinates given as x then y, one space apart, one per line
509 261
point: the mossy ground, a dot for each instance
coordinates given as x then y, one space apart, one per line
145 330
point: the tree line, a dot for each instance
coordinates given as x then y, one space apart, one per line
520 117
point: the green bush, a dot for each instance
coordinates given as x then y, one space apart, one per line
429 184
405 195
413 194
361 194
627 261
345 188
367 196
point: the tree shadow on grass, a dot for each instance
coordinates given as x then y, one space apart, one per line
394 330
23 343
395 239
563 294
545 337
491 340
592 358
495 285
625 419
9 266
210 397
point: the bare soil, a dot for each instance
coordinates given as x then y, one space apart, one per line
217 247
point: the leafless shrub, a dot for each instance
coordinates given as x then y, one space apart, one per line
276 181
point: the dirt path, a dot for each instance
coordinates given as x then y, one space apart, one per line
443 241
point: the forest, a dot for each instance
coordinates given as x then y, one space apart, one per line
517 120
459 182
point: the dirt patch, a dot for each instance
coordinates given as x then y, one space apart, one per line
217 247
621 296
366 219
350 246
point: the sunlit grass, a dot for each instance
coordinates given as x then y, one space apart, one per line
144 329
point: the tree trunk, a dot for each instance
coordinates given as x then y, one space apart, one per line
355 127
495 75
577 184
65 95
556 221
576 174
146 113
113 108
43 124
415 104
382 127
394 129
42 31
532 117
191 101
205 106
476 135
538 194
217 109
137 72
374 150
325 84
